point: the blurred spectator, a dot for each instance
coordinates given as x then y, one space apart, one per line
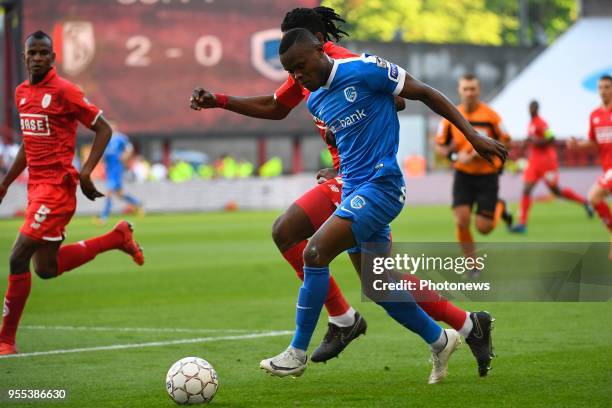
159 172
141 169
245 169
271 168
228 167
181 171
205 171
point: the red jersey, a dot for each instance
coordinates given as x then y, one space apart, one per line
290 94
48 114
538 130
600 132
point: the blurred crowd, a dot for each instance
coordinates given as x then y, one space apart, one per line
190 165
8 152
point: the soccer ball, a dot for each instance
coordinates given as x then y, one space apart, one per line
192 380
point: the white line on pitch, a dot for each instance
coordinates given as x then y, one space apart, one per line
151 344
136 329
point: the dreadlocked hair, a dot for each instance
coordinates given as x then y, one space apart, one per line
321 19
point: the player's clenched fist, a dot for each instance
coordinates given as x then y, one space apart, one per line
88 188
201 99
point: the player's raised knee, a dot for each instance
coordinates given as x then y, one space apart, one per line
484 227
314 257
281 233
46 272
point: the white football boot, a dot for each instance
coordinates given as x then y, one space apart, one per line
439 360
289 362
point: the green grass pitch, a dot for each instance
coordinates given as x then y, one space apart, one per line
219 274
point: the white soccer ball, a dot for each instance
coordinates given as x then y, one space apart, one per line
192 380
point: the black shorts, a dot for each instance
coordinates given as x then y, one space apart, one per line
480 189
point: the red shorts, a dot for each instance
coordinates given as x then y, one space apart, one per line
50 208
605 180
321 201
547 170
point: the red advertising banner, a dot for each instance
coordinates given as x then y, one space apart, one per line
139 60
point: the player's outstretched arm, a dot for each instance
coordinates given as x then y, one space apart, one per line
485 146
16 169
261 107
103 135
579 144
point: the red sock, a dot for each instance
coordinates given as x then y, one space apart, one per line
74 255
604 213
16 296
525 204
106 242
335 303
436 306
569 194
295 257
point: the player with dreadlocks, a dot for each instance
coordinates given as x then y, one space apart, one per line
307 214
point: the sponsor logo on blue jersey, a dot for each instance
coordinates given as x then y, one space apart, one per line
339 124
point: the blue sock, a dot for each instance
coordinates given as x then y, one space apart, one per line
310 301
108 204
411 316
131 200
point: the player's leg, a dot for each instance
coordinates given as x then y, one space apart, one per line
370 209
597 198
402 308
50 207
475 327
551 178
74 255
531 176
330 240
130 199
340 330
463 199
463 218
291 231
17 292
121 238
528 187
108 206
488 204
502 213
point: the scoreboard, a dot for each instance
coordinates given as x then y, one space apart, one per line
139 60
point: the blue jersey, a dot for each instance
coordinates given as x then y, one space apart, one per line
114 150
357 104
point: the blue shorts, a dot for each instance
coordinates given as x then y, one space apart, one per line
114 182
371 207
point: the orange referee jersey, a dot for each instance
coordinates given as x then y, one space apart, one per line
486 122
